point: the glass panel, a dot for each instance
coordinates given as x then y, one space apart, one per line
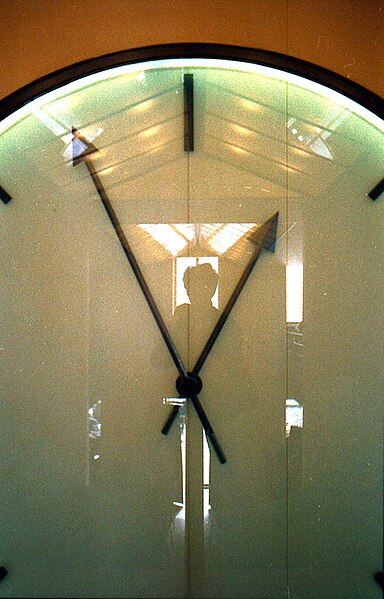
335 352
88 507
238 176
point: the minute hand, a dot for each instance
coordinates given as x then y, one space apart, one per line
87 149
264 237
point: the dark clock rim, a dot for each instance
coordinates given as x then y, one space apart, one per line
289 64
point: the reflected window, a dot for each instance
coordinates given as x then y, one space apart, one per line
94 424
180 295
294 292
94 435
294 415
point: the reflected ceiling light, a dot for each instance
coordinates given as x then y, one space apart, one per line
291 169
150 131
249 104
107 170
294 415
166 236
242 130
317 137
143 106
301 152
236 149
228 235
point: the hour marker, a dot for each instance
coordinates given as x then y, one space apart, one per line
377 190
4 196
3 572
188 113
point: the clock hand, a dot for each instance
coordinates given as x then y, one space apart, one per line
190 386
87 149
264 237
211 436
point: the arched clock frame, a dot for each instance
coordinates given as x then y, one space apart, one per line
191 329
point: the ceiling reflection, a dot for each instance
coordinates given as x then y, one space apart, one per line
261 129
217 238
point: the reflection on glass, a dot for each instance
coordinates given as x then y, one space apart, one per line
94 431
77 146
294 415
294 292
94 425
227 235
52 124
206 477
181 502
314 136
215 237
183 449
164 234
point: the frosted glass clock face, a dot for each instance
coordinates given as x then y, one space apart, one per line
191 336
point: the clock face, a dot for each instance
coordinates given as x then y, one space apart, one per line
191 247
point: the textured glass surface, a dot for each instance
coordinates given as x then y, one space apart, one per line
96 501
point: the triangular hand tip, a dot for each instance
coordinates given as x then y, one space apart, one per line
270 240
265 234
81 147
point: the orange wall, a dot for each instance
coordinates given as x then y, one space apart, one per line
40 36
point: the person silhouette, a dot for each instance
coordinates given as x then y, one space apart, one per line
194 321
200 283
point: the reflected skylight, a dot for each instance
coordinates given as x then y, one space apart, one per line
216 237
227 235
314 137
167 237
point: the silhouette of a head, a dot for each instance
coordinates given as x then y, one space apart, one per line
200 282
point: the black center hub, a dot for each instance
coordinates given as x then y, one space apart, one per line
189 385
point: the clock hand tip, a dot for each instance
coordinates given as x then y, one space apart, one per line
265 234
81 147
269 242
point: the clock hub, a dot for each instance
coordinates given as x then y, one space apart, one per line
188 385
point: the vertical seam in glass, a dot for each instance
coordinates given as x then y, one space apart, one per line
285 312
286 249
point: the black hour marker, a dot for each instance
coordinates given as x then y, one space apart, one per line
3 572
188 113
4 196
377 190
379 577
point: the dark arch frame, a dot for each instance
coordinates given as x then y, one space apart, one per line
289 64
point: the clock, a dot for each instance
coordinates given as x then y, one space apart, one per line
191 329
